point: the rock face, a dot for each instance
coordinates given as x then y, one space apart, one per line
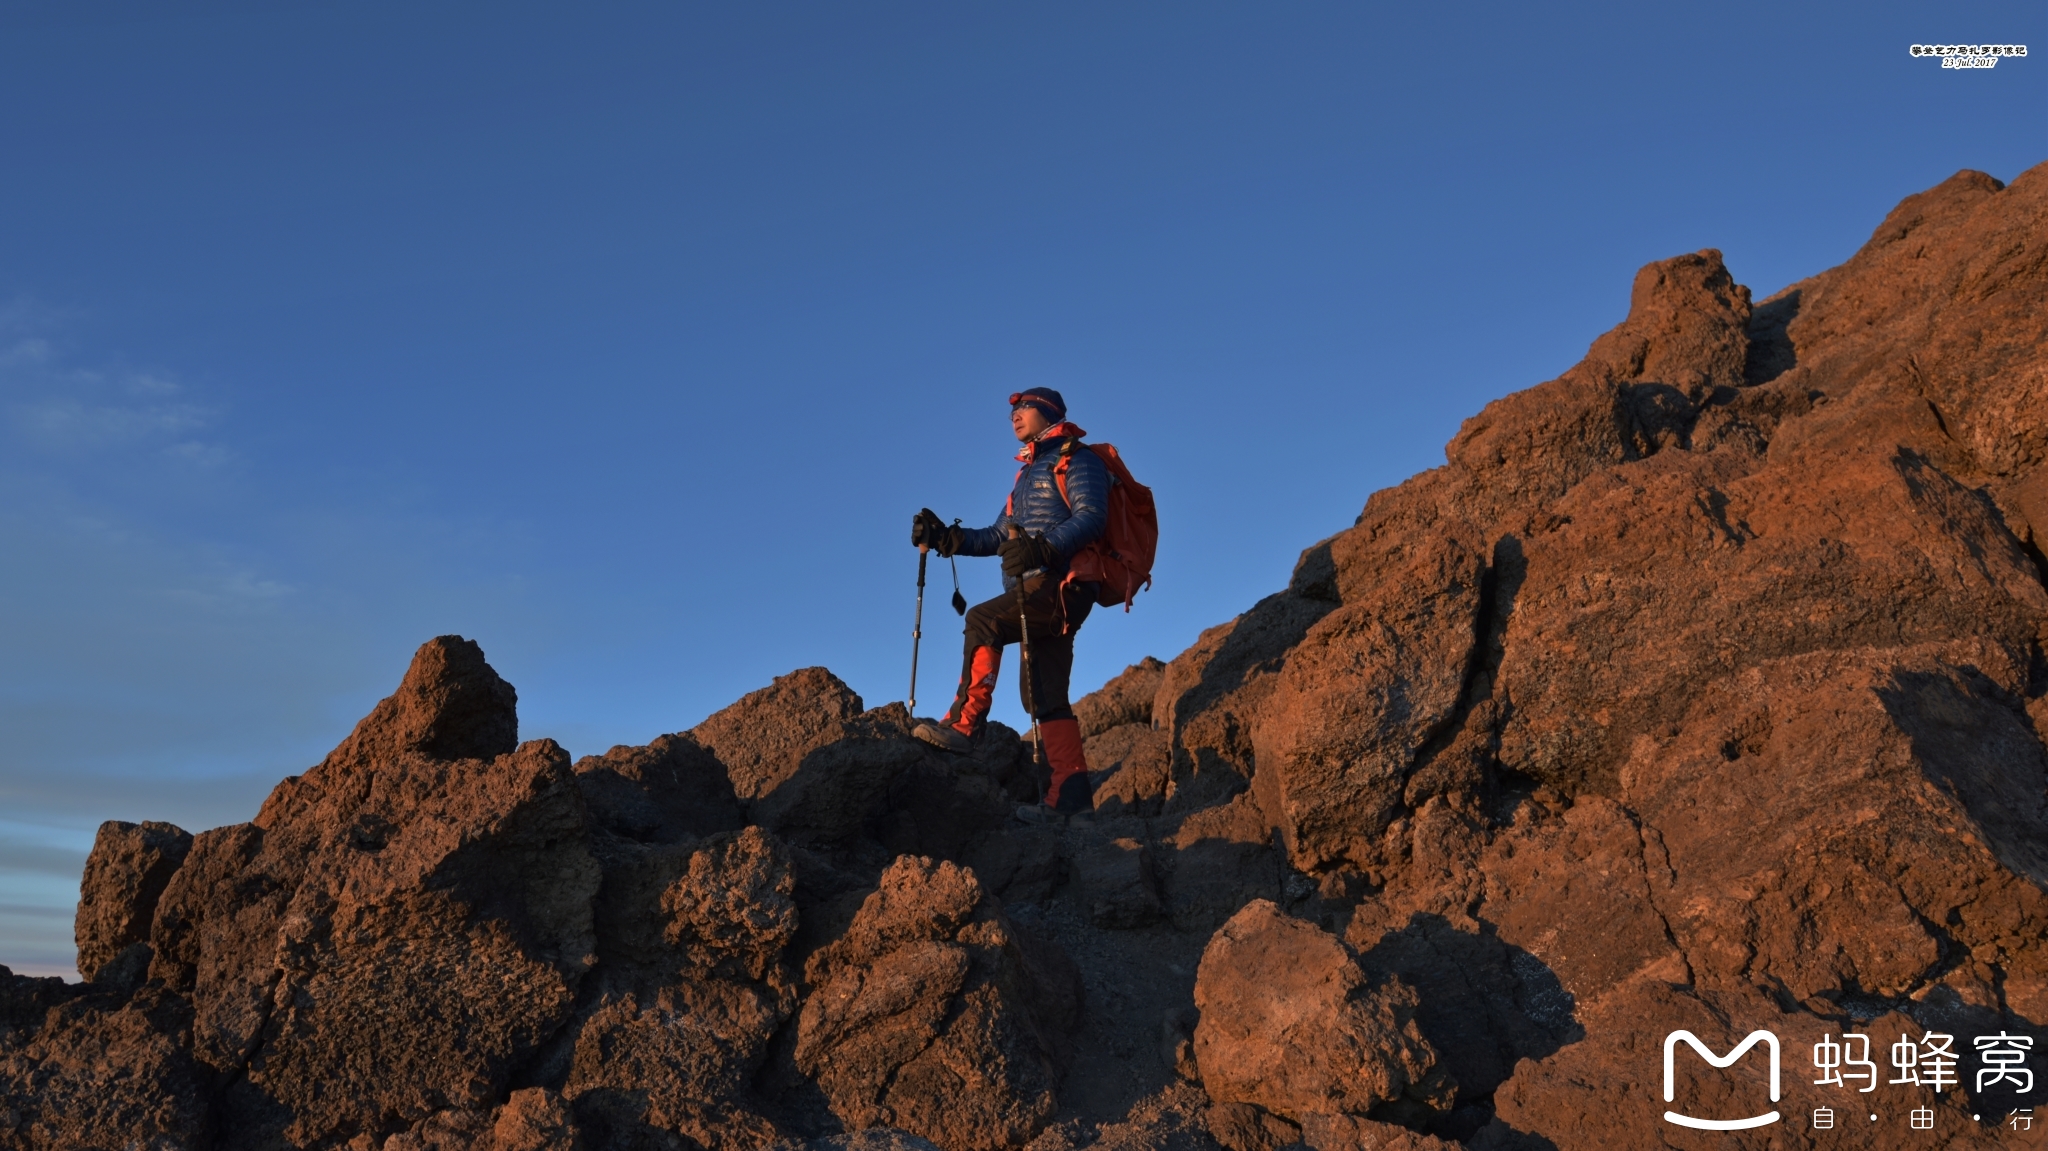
124 877
933 1016
1290 1022
1702 687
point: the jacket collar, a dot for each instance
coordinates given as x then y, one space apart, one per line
1049 437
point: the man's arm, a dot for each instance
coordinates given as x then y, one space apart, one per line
1087 503
985 541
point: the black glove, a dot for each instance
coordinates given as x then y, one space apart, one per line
1023 553
927 529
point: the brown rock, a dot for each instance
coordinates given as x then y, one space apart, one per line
125 875
763 738
1133 765
1243 1127
1290 1022
932 1015
1114 881
1702 687
397 931
1368 686
1124 700
671 789
101 1074
806 761
451 705
679 1064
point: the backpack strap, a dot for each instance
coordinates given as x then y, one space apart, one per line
1059 470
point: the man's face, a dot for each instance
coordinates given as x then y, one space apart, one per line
1027 421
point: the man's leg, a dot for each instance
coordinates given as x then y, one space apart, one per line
1062 610
989 626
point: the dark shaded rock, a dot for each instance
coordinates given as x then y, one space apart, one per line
26 999
1114 881
933 1015
1356 1133
1130 767
99 1074
1216 861
125 875
668 790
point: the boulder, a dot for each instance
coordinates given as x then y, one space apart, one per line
669 790
805 761
1113 879
1130 767
99 1072
1291 1023
934 1015
1126 699
125 875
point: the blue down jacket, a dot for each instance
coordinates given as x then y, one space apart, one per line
1035 504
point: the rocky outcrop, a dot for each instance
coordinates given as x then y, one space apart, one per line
933 1015
1290 1022
1702 687
124 877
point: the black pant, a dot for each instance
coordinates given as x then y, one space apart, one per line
1055 612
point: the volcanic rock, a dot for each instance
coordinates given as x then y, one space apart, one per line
933 1015
1702 687
1290 1022
125 875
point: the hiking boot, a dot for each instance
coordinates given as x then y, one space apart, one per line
943 736
1039 815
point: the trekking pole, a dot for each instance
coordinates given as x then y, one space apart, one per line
1024 667
917 629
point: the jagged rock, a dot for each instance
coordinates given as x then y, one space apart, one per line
1130 766
678 1064
1243 1127
1353 1133
1702 687
451 705
669 790
1290 1022
806 761
1210 694
1113 879
99 1073
1125 699
1216 861
125 875
396 931
25 1000
691 985
1361 694
934 1015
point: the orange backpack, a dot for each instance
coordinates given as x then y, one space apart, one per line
1120 559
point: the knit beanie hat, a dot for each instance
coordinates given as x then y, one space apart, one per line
1047 401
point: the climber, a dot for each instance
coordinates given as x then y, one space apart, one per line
1053 526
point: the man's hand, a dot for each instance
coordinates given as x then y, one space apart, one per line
1022 553
927 530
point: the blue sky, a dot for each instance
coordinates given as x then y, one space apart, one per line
624 338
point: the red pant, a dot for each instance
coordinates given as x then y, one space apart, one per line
1054 612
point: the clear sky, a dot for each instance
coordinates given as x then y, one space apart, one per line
625 338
